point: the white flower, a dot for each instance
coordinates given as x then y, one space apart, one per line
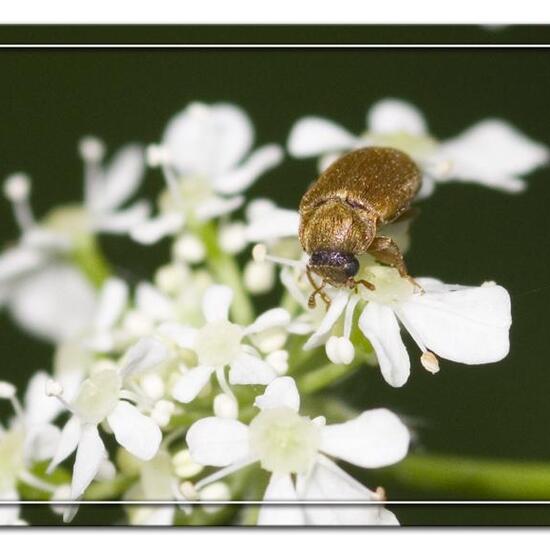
207 162
492 152
157 481
286 444
268 223
42 290
464 324
100 398
29 438
220 342
108 187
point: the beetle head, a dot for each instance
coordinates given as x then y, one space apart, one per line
337 268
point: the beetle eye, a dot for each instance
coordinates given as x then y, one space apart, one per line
352 267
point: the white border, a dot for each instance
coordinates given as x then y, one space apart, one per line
488 12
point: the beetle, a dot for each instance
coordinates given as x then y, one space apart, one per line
341 212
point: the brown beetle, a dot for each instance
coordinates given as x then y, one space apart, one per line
341 212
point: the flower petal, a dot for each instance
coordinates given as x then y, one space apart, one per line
67 442
329 482
391 116
216 441
466 325
282 392
280 487
208 140
312 136
153 302
269 222
145 354
216 206
123 221
495 153
112 301
89 456
55 303
216 302
182 335
155 229
137 433
41 442
121 178
19 260
336 308
379 325
276 317
191 383
250 369
39 407
375 438
239 179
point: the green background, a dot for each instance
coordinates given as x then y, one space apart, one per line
465 233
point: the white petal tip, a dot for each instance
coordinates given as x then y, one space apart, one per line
7 390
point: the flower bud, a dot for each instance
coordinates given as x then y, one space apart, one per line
184 466
215 491
340 350
190 249
259 277
225 406
232 237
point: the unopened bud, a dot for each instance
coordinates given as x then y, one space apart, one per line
259 253
225 406
340 350
232 237
189 249
188 490
184 466
259 277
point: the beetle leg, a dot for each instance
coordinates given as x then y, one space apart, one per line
353 283
317 290
387 252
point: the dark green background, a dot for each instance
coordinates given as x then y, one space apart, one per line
465 233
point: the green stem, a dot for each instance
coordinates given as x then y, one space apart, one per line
315 380
89 258
476 478
227 271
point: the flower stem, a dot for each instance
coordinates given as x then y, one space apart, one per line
227 272
89 258
315 380
476 478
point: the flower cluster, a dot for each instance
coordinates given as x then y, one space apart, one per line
176 388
